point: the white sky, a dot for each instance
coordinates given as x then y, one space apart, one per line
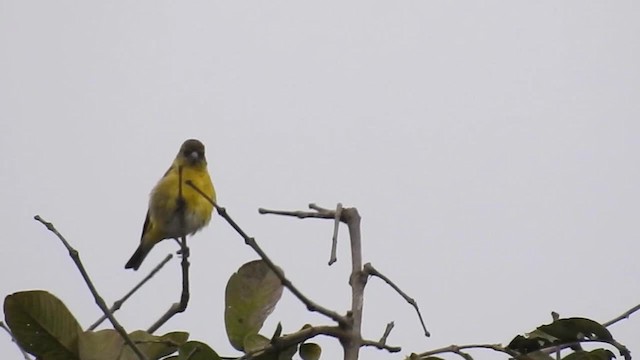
491 148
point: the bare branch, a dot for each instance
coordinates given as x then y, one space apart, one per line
311 306
357 280
298 214
298 337
352 342
382 343
181 306
370 270
73 253
381 346
455 349
24 353
624 315
118 304
319 213
334 239
387 331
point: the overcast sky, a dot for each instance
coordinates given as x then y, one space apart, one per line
490 147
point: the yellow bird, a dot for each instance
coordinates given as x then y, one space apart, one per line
163 219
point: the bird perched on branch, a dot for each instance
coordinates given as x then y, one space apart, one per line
177 210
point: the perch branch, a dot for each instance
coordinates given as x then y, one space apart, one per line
457 350
311 306
118 304
73 253
184 264
370 270
24 353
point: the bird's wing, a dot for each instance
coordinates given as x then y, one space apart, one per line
146 226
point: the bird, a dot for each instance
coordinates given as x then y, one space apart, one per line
169 216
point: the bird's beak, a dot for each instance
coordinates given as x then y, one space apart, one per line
193 156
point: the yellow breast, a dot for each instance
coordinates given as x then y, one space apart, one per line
163 204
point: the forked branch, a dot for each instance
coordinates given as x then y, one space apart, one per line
370 270
118 303
311 306
73 253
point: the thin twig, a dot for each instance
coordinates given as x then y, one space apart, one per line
24 353
457 349
369 269
75 256
381 346
298 337
382 343
118 304
624 315
184 264
311 306
318 213
387 331
334 239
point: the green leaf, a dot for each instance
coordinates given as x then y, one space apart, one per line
250 297
525 345
310 351
195 350
288 353
42 325
108 345
572 329
536 355
100 345
597 354
154 347
561 331
253 342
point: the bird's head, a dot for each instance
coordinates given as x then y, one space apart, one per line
192 153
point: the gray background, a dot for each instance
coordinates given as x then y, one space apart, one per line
491 148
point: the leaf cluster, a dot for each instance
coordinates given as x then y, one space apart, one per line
43 326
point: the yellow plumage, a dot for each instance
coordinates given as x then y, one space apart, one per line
163 220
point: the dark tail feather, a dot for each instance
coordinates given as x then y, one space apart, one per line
137 257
